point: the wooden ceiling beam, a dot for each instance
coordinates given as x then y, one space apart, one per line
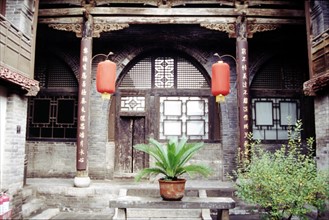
197 12
165 20
176 2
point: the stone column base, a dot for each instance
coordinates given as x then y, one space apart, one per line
82 179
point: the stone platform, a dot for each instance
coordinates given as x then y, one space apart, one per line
86 203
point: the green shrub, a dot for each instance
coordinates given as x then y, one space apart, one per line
283 183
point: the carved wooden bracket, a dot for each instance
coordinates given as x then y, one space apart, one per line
254 28
30 85
98 28
316 85
230 28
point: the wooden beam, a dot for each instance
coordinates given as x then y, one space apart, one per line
61 20
113 11
176 2
166 20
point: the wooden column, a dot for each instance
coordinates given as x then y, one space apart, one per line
243 85
82 179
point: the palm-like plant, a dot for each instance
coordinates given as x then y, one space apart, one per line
171 160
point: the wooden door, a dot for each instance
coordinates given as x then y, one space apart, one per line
130 131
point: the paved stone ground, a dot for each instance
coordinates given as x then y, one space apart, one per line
53 186
66 186
72 215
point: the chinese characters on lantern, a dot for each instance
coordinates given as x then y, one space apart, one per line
83 105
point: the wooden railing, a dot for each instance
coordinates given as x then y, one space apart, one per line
15 48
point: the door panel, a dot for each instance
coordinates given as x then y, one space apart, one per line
139 160
130 131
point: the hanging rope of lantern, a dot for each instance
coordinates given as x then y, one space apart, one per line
105 77
220 80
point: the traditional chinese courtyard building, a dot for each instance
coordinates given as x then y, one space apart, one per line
164 51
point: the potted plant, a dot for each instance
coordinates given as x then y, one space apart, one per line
171 160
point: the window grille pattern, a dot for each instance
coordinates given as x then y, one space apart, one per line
139 76
52 117
132 104
184 117
280 75
273 116
55 74
188 76
164 72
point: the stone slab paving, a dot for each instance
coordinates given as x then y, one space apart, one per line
76 215
95 216
66 189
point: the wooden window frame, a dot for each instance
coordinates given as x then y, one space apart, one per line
153 101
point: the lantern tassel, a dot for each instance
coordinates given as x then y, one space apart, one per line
220 98
106 95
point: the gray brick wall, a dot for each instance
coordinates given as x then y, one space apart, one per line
49 159
321 110
14 150
20 14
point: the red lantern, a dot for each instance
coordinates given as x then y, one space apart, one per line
220 80
105 78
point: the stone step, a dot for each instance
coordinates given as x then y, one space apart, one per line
46 214
32 207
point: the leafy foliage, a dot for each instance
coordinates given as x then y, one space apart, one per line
171 160
285 183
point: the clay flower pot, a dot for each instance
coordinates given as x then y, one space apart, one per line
172 190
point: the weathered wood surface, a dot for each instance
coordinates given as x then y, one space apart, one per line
185 203
180 2
109 11
165 20
316 84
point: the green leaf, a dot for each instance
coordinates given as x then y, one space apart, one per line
171 159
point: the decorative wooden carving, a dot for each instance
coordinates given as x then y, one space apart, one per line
316 85
76 28
98 28
228 28
30 85
253 28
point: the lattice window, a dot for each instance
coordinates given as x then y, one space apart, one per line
55 73
272 116
163 73
280 75
53 112
184 116
52 117
188 76
132 104
138 76
174 83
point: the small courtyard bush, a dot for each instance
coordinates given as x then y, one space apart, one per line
283 183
